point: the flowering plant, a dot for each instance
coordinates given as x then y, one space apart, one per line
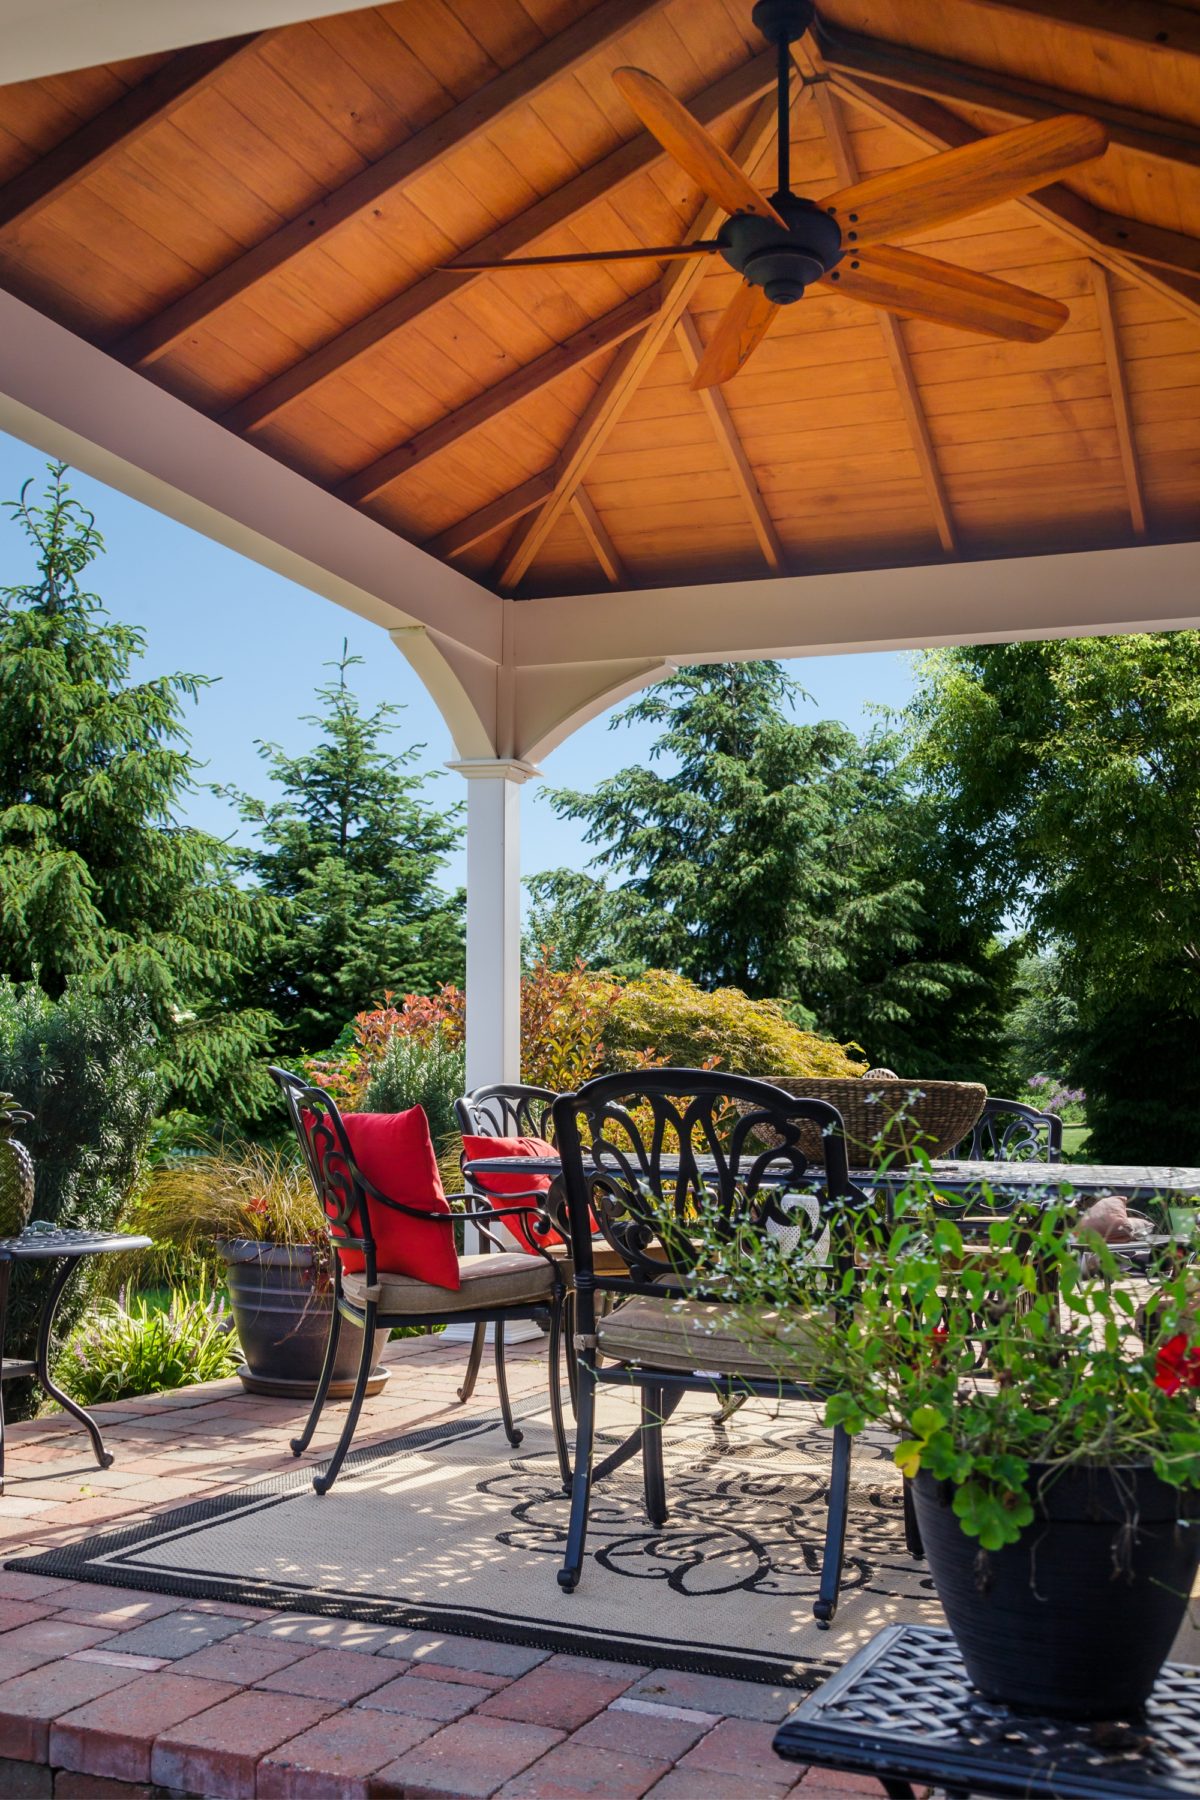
1001 1356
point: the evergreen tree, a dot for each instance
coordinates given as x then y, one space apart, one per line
99 883
786 860
350 853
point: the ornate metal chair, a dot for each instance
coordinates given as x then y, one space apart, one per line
1010 1131
495 1288
659 1156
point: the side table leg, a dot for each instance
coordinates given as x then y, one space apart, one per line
42 1364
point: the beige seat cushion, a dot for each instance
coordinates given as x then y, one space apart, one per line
685 1335
605 1260
509 1279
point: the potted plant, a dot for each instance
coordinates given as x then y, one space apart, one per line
1048 1421
249 1216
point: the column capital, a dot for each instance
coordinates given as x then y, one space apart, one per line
503 768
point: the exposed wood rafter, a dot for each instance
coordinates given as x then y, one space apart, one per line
600 179
846 166
1119 243
138 110
479 113
594 530
1122 410
726 435
489 518
917 72
629 365
494 402
1151 24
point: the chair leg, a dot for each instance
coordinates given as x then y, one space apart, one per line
581 1482
825 1606
556 1404
572 1361
510 1431
912 1531
653 1473
300 1444
473 1361
323 1482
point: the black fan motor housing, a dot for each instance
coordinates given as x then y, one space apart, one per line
783 21
782 263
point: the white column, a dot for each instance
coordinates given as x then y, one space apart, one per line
493 917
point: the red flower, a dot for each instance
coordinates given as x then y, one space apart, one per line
1177 1365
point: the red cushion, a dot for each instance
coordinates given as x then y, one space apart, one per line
395 1153
497 1186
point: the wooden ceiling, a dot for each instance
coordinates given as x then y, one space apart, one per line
260 226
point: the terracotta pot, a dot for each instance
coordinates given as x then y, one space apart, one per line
281 1311
1077 1618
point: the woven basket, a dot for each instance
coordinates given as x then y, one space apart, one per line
887 1117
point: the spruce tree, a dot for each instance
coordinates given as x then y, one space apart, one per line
100 884
350 853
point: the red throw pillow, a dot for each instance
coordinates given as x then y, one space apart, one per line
497 1187
395 1153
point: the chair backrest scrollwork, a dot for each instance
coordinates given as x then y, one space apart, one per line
1011 1131
335 1176
507 1109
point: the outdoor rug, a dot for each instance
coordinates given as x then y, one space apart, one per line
449 1529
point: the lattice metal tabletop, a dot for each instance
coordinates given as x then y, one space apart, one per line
904 1711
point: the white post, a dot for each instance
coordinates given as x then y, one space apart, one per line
493 917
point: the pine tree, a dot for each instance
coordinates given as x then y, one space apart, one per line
99 882
350 853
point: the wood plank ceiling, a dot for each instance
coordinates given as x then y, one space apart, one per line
261 225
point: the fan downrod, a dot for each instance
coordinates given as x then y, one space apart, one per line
783 21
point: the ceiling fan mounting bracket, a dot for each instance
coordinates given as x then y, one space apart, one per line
783 21
782 263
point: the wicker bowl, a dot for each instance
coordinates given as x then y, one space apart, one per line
886 1117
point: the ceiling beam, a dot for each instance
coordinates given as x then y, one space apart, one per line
725 432
1112 240
628 367
600 180
846 165
137 111
494 402
602 546
478 525
1152 24
461 126
1123 412
918 72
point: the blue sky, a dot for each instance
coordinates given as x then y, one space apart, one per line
207 610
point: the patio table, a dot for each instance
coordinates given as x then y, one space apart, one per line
68 1248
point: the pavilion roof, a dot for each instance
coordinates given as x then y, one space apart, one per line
259 225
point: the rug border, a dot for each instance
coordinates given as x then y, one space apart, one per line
75 1562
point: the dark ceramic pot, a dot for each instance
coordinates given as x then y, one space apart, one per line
281 1312
1077 1618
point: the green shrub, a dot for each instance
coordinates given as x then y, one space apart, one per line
413 1072
82 1066
682 1026
143 1349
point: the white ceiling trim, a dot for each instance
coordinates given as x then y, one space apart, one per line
49 37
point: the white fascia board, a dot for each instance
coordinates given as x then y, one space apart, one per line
73 401
1090 593
50 37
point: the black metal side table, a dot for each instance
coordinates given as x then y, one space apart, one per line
67 1248
904 1711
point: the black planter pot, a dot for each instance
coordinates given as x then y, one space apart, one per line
282 1320
1077 1618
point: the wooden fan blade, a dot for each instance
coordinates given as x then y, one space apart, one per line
963 181
740 330
685 139
901 281
655 253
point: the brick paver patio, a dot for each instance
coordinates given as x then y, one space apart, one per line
116 1692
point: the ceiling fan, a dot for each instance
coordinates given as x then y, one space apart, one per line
786 244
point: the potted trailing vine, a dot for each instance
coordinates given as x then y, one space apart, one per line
1048 1418
249 1217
